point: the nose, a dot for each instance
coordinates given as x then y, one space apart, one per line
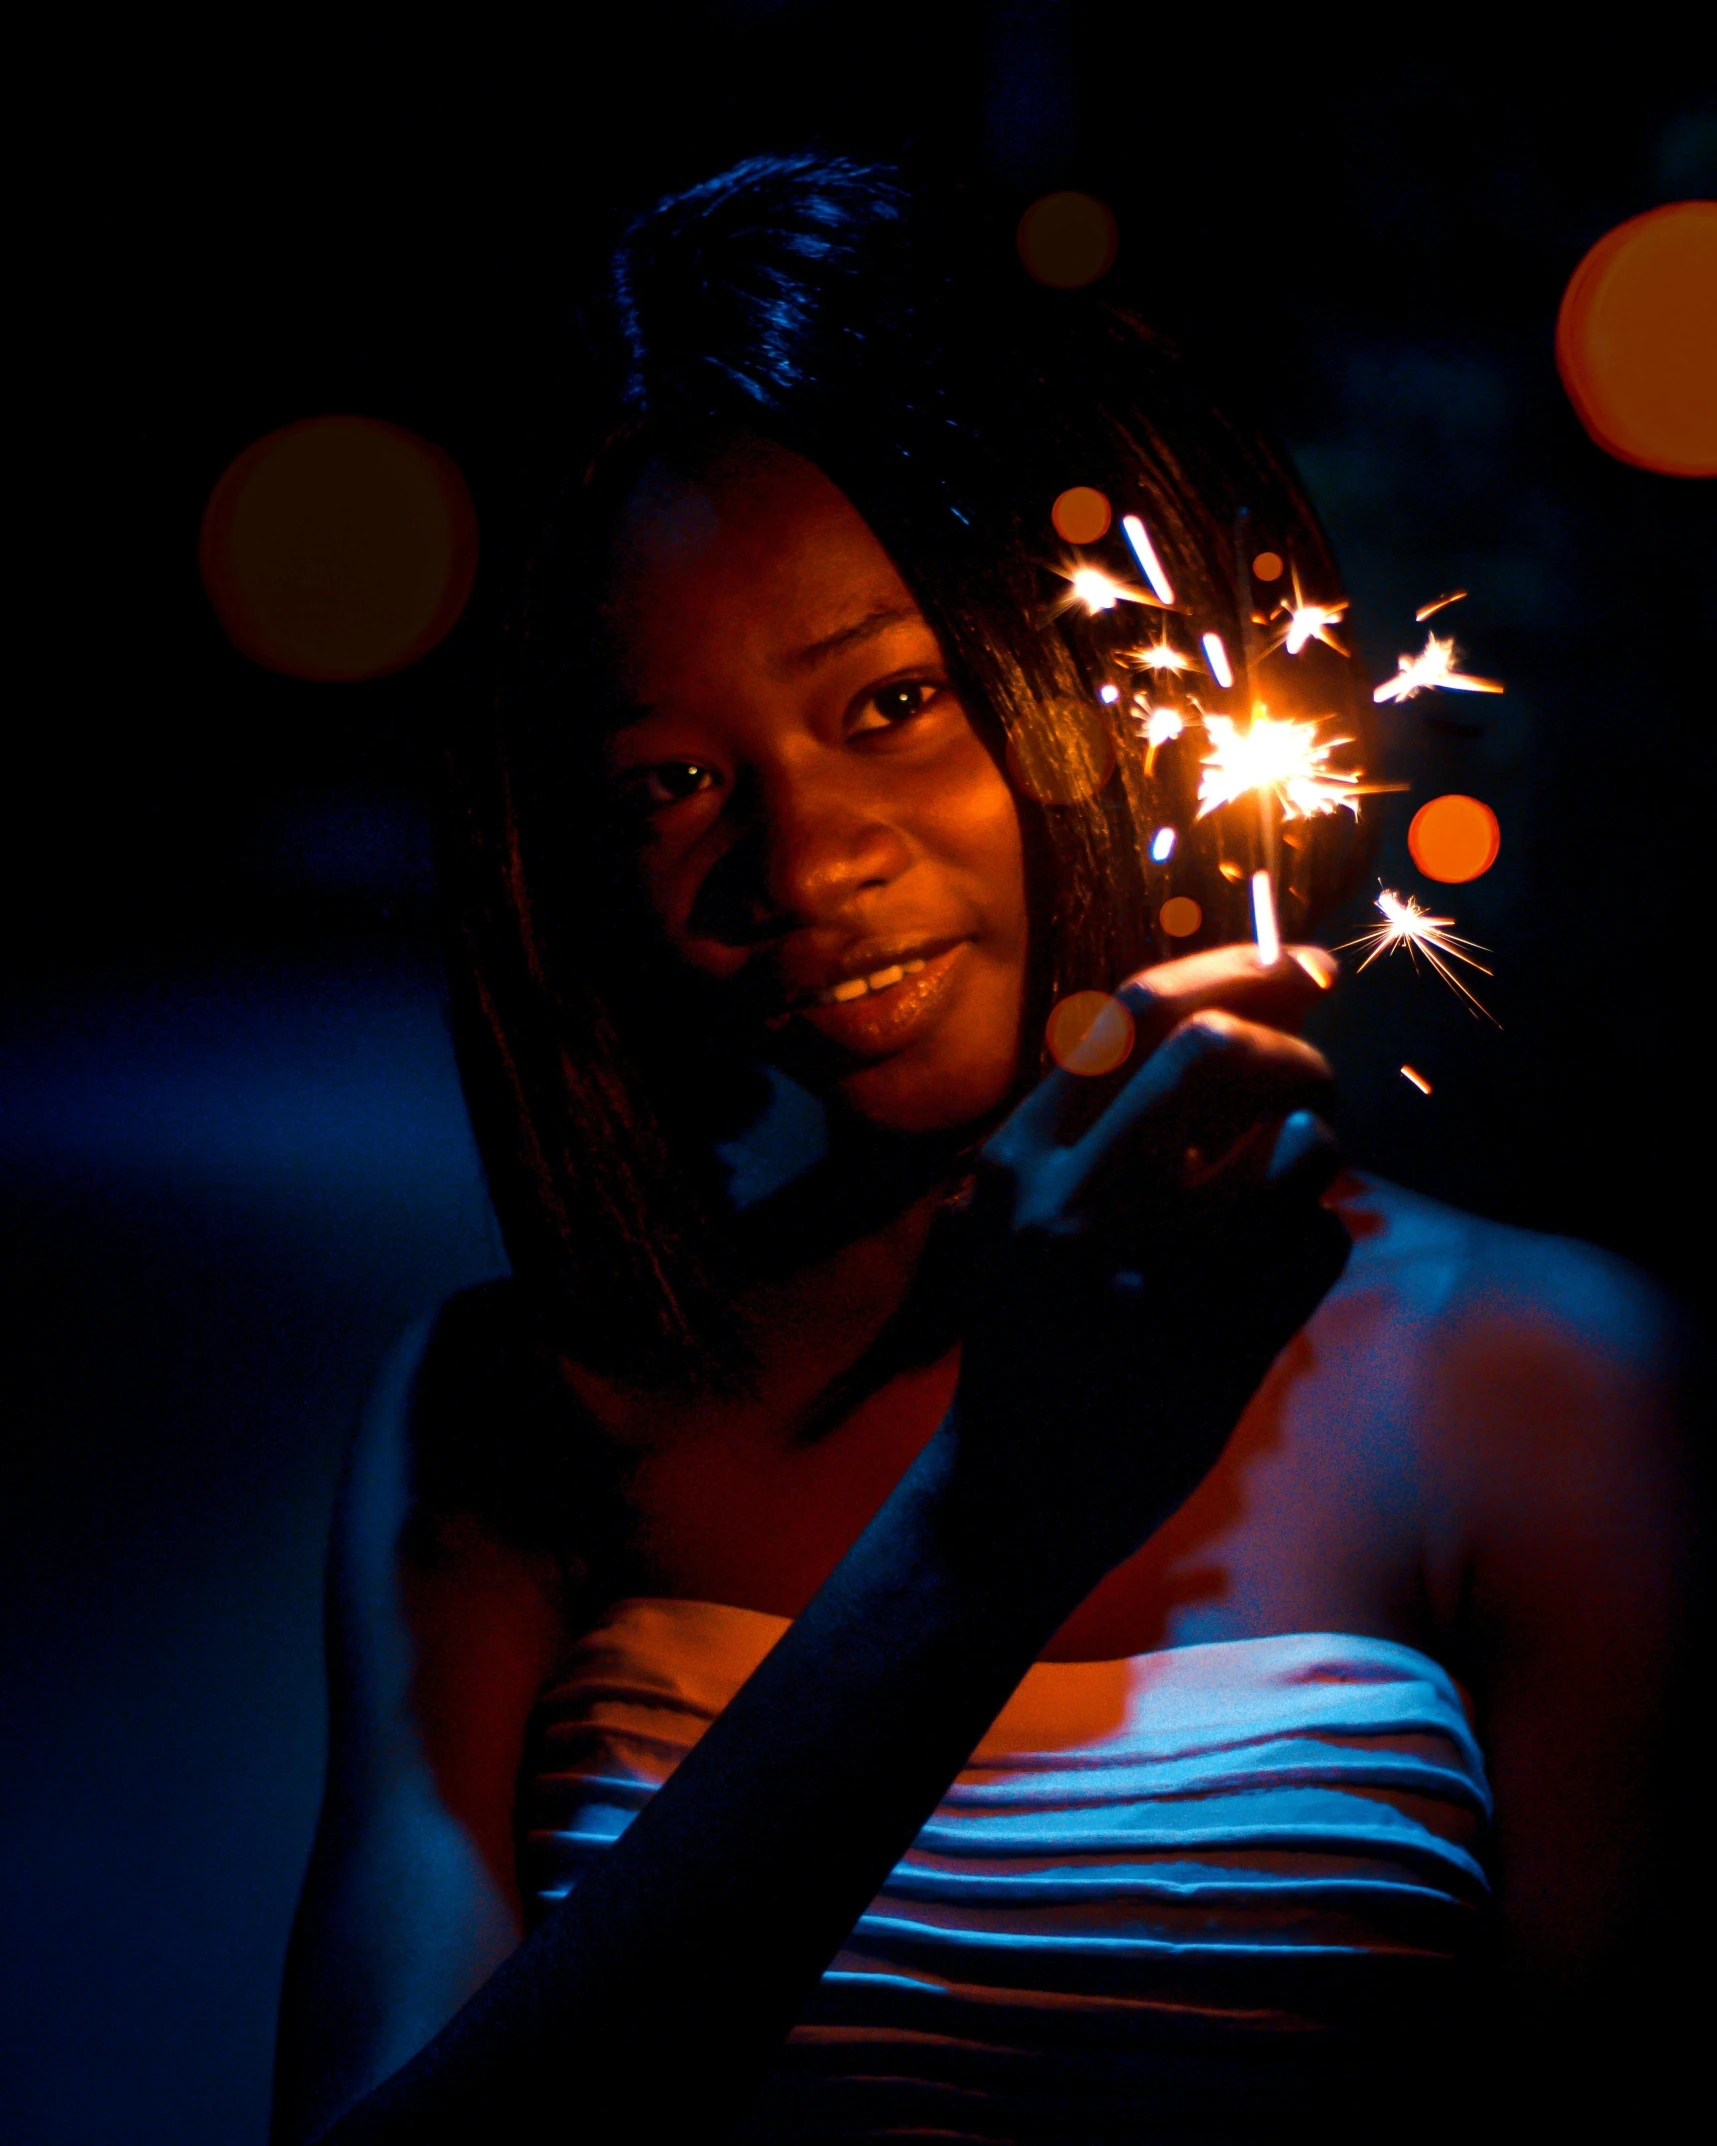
814 850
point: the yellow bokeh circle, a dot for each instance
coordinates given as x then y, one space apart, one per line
1090 1032
338 548
1636 340
1454 838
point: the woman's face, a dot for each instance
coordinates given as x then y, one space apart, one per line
821 832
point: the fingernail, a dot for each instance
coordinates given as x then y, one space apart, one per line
1319 964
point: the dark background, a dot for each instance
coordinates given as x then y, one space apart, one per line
235 1160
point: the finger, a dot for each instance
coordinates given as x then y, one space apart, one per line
1204 1088
1232 977
1065 1102
1305 1156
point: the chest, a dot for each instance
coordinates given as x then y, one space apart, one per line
1311 1520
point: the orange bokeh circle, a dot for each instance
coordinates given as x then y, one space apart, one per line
1180 916
338 548
1081 514
1068 762
1268 566
1454 838
1636 340
1067 239
1090 1032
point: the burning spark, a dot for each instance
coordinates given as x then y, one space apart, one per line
1138 536
1425 611
1264 920
1094 589
1406 924
1418 1079
1162 845
1157 726
1432 668
1278 759
1310 622
1159 656
1108 695
1217 658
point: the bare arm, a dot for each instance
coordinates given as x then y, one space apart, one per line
682 1958
1556 1389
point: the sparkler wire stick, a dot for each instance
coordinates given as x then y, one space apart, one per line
1264 921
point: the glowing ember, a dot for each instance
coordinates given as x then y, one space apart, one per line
1264 920
1162 845
1159 656
1436 604
1109 695
1138 536
1095 589
1217 658
1432 669
1406 924
1309 622
1418 1079
1285 760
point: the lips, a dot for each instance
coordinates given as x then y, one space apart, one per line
878 1010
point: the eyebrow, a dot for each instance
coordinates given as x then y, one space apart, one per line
843 637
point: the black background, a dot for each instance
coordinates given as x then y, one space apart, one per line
234 1156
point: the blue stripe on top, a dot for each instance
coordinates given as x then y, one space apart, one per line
1170 1896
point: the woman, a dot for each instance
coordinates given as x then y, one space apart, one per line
862 1401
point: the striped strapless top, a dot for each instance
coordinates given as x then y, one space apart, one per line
1191 1894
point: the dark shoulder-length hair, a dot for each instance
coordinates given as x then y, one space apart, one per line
887 334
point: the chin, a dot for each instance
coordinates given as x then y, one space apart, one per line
899 1095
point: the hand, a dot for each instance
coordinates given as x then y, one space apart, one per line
1150 1243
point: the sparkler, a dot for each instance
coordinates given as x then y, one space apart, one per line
1432 669
1406 924
1278 759
1437 604
1264 920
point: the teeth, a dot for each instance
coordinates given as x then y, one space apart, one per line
858 986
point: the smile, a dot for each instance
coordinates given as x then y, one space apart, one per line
860 986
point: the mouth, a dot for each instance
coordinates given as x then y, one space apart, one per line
877 1011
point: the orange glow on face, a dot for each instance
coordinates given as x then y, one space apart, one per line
339 548
1067 239
1454 839
1180 916
1636 340
1080 514
1090 1033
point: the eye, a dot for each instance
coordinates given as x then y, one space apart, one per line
649 789
887 707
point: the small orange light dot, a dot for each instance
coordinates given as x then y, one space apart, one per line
1090 1032
1067 239
1454 838
1231 872
1268 566
1081 514
1180 916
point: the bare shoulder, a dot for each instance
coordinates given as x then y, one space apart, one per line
444 1622
1544 1381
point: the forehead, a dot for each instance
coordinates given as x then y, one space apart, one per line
752 560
